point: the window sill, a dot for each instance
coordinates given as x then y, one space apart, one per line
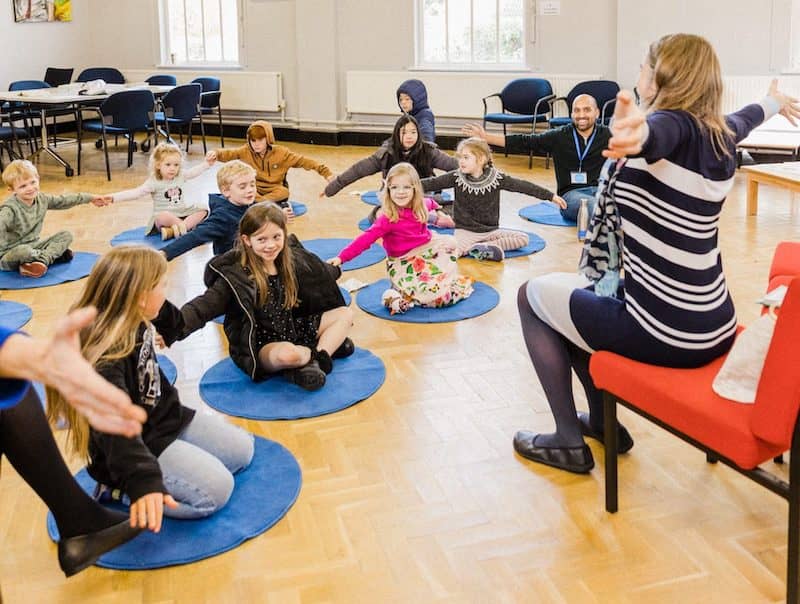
202 67
473 68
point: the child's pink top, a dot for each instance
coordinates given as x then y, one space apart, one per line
398 237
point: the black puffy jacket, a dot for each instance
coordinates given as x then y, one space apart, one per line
232 292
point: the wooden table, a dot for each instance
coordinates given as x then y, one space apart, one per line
786 175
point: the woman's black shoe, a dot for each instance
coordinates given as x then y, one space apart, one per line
308 377
624 438
81 551
345 349
572 459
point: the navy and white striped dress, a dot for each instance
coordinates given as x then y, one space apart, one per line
673 308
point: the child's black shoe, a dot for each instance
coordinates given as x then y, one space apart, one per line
67 256
308 377
345 349
324 360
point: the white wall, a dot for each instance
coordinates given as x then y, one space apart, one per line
29 48
313 43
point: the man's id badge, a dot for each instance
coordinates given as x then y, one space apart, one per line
578 178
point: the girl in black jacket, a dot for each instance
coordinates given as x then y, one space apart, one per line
182 464
283 310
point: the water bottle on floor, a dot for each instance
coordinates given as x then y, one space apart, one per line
583 218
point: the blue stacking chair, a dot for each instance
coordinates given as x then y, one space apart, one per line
178 108
210 100
110 75
162 79
123 113
524 101
19 110
603 91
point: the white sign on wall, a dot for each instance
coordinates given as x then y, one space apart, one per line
549 7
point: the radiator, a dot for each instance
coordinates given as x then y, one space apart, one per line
451 94
241 91
738 91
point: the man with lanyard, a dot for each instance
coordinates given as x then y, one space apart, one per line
576 150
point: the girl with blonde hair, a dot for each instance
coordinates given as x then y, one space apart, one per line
421 266
476 208
660 201
173 215
183 463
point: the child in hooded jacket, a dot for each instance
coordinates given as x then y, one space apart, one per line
412 97
271 162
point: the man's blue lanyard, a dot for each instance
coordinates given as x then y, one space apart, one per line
582 156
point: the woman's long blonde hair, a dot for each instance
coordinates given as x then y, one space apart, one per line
687 77
116 286
255 218
417 206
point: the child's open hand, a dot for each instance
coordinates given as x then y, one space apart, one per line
102 200
148 511
472 129
790 107
559 201
211 157
628 130
160 341
335 261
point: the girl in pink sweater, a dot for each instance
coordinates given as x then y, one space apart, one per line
421 265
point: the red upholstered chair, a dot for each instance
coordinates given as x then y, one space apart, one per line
785 264
742 436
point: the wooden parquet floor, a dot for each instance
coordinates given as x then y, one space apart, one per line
416 495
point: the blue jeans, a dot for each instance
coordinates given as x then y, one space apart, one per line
573 199
198 468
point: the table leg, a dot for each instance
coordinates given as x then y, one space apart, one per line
46 147
752 196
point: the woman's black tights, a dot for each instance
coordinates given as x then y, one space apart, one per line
26 439
554 357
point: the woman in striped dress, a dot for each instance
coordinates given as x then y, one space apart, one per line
673 308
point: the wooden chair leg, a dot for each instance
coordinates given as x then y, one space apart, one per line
611 444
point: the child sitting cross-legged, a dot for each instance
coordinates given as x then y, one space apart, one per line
283 310
183 462
421 265
476 209
173 215
22 217
237 184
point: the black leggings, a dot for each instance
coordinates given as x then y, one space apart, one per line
554 358
26 439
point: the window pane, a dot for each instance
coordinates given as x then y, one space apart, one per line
230 30
434 32
177 32
211 27
194 29
484 34
511 31
458 31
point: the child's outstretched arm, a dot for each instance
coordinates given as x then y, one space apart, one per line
363 241
174 323
142 190
204 165
362 168
437 183
509 183
295 160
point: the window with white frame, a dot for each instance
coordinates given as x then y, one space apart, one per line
200 32
470 33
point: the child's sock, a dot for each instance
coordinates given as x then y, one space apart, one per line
181 229
167 233
67 256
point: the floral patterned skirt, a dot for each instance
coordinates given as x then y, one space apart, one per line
428 274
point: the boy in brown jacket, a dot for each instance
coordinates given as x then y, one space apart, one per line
271 163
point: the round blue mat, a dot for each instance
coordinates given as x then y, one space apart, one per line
328 248
137 237
227 388
373 199
482 300
14 315
220 320
262 495
80 267
545 212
